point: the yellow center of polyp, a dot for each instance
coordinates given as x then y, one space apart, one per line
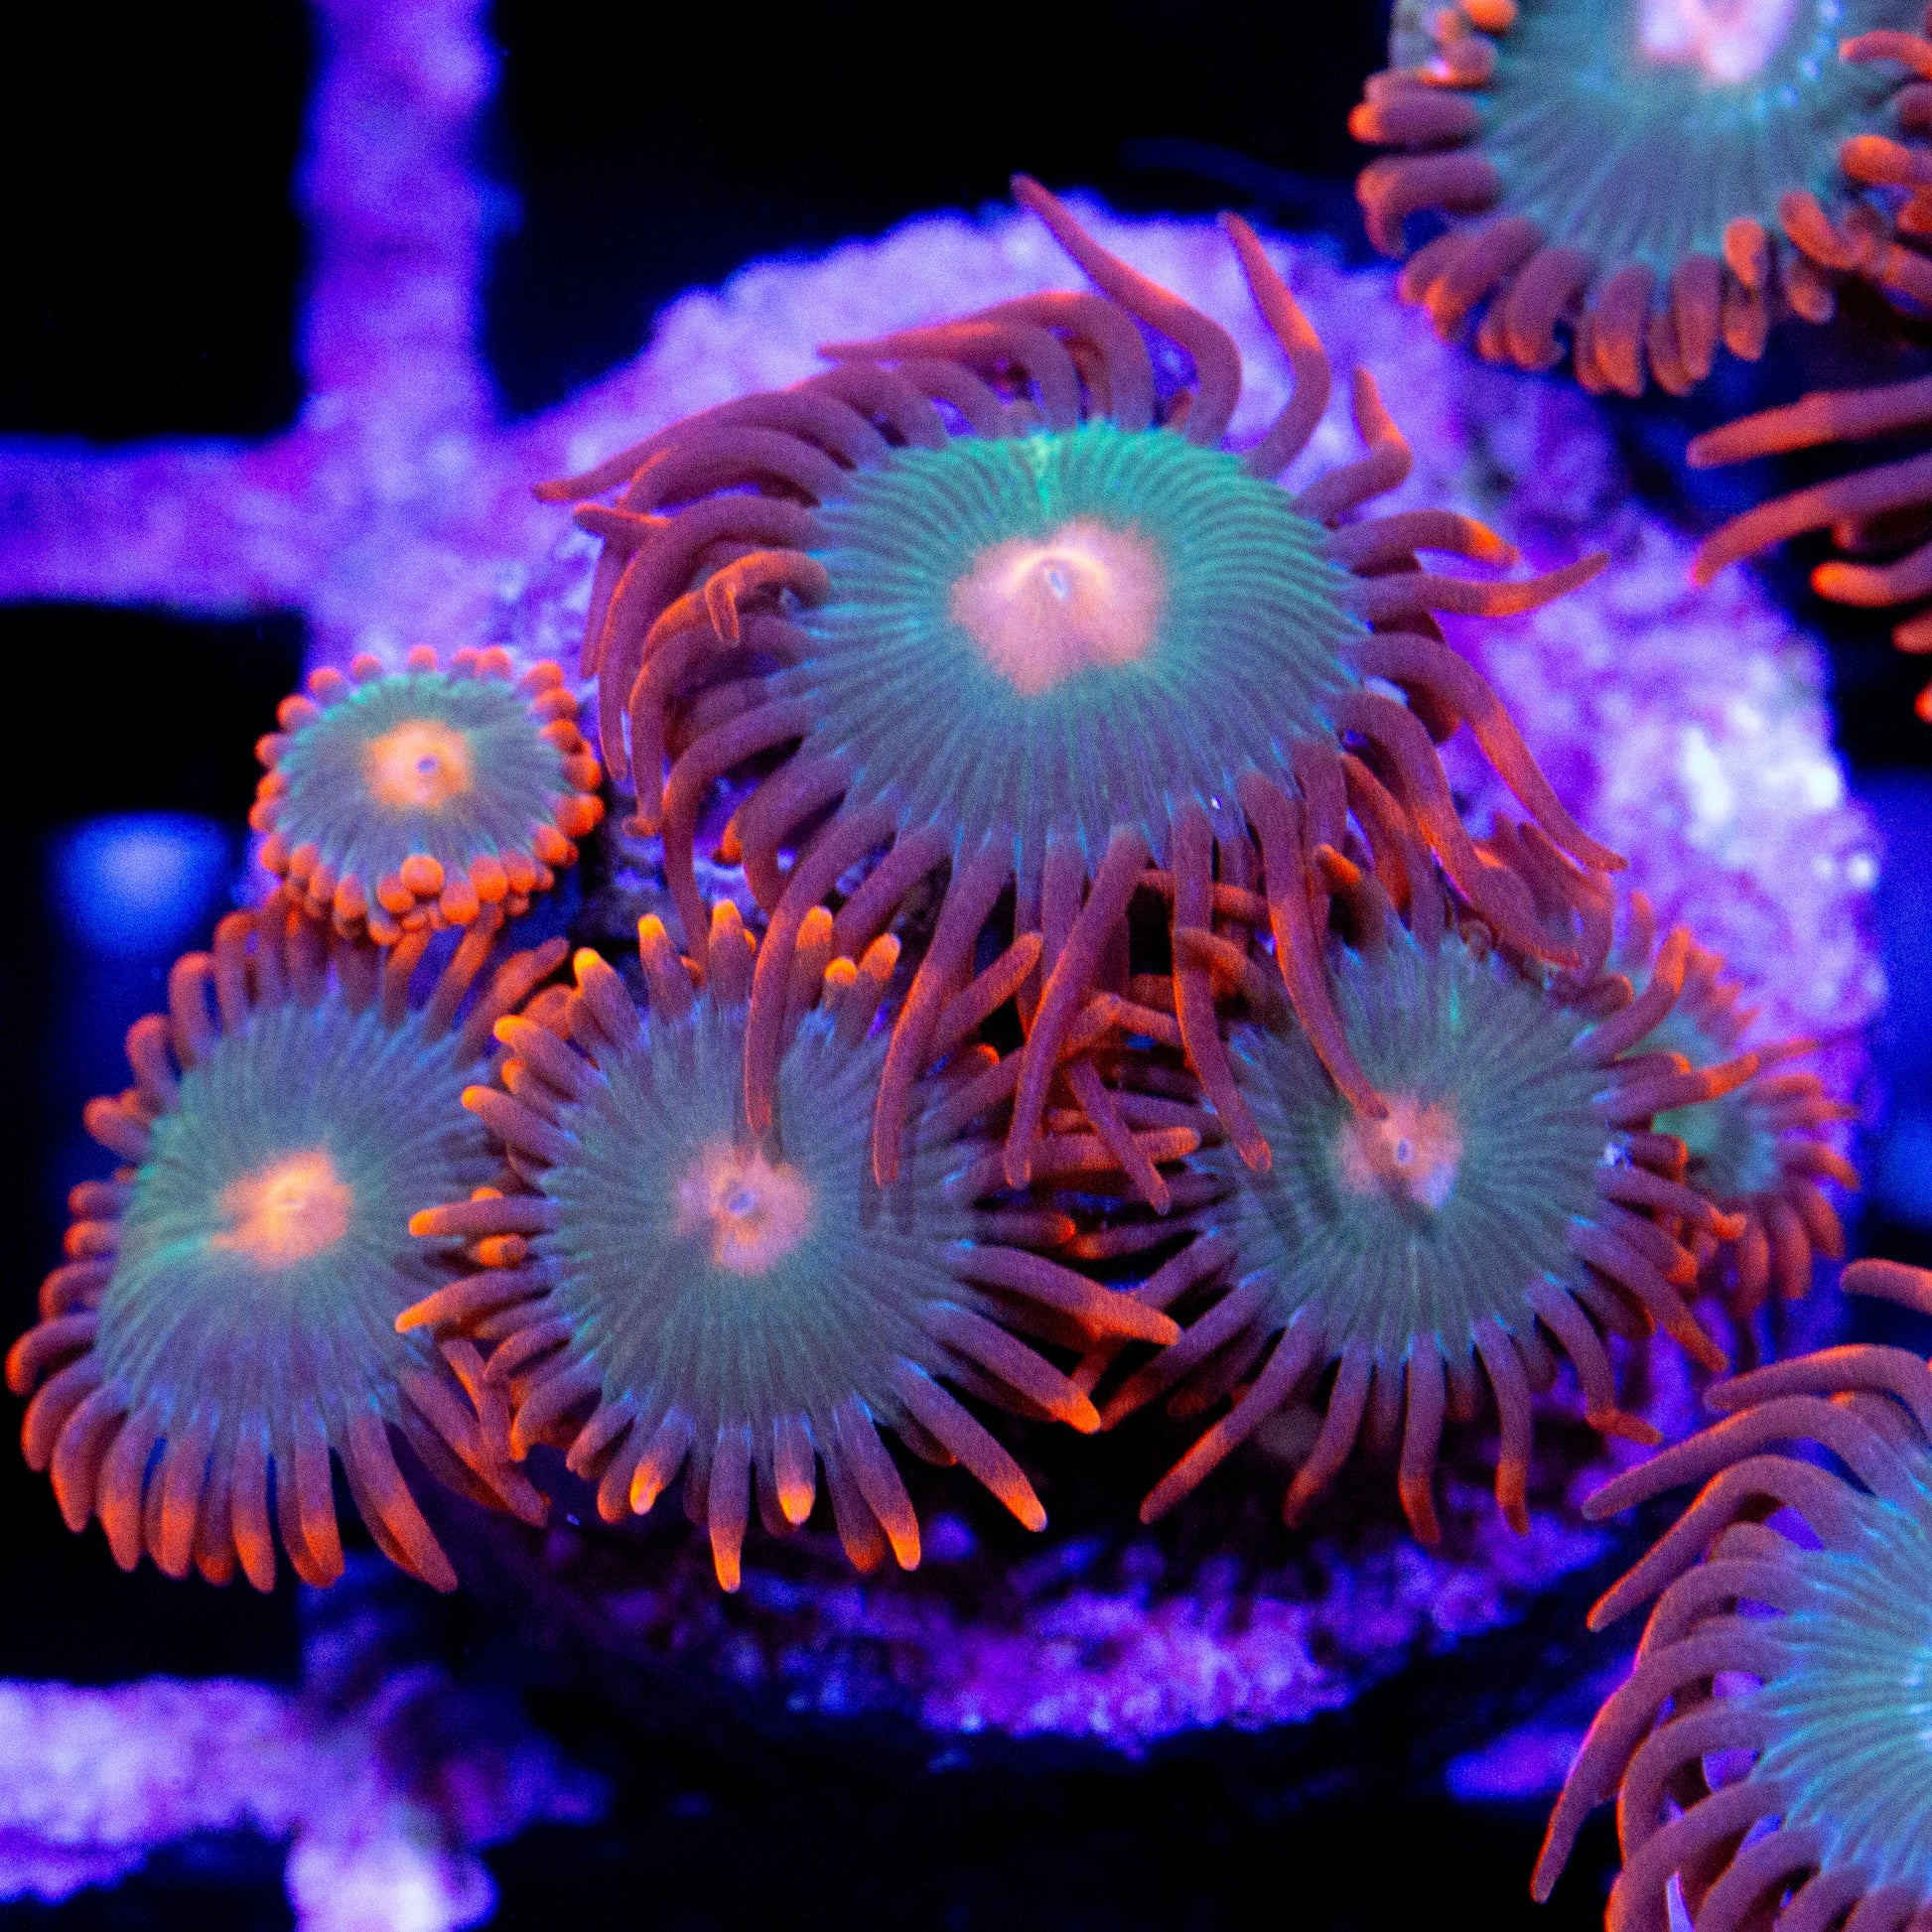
1730 39
287 1211
1042 609
751 1213
422 763
1409 1158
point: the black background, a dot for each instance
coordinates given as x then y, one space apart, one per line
150 266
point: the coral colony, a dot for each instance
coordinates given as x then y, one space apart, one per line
1085 929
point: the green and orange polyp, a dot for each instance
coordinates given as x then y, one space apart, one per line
1733 1153
676 1293
1498 1213
227 1319
1114 622
399 799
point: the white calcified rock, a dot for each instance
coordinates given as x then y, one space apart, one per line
384 1799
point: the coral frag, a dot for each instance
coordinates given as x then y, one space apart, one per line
1040 590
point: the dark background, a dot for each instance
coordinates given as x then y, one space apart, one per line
150 266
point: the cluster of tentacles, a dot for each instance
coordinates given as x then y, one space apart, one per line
985 651
1513 1208
1760 1150
670 1290
397 800
1768 1750
1881 516
1134 1016
1657 177
989 599
227 1317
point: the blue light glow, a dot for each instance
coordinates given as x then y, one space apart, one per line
138 884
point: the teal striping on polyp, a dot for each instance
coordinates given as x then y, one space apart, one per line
1246 655
1847 1708
1637 160
832 1310
1451 1030
516 776
188 1321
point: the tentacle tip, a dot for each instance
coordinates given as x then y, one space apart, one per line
1512 1496
1031 1515
1162 1498
1164 1330
1631 1428
409 1319
1420 1508
1592 567
1018 1166
1257 1155
527 1503
1707 1355
1083 1416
